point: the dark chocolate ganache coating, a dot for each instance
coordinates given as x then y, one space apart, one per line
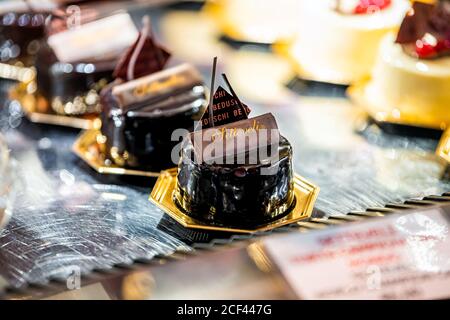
142 137
235 195
71 88
20 35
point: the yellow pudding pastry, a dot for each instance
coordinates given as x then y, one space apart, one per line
337 41
410 82
405 89
255 20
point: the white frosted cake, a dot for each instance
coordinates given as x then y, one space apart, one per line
411 78
255 20
338 40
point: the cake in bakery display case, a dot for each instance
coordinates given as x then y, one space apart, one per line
80 66
316 148
235 173
337 41
411 77
22 27
141 109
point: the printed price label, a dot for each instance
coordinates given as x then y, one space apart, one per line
398 257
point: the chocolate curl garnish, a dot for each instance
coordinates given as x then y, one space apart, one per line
234 94
144 57
211 96
145 33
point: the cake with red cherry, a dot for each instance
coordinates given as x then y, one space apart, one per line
410 82
337 40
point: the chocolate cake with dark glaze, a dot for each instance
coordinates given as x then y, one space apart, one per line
69 79
145 104
235 171
138 134
70 88
235 195
20 35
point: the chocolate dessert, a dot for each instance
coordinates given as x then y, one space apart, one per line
73 65
21 29
409 84
144 105
225 182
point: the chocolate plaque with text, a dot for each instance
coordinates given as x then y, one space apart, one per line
226 109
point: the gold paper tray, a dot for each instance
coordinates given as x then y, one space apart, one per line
29 103
162 195
89 150
443 152
357 94
16 72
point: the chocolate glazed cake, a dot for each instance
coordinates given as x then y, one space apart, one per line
143 107
20 34
235 193
75 63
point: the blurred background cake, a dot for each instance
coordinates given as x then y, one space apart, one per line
77 61
145 104
337 40
21 31
254 20
410 83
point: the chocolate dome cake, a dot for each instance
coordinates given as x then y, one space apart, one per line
237 184
145 104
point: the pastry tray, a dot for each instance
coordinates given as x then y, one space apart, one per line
29 104
162 195
88 148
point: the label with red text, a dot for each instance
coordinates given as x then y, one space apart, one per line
399 257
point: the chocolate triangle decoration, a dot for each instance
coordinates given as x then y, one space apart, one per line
226 109
440 20
425 18
144 57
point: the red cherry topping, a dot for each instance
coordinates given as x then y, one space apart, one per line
426 50
371 6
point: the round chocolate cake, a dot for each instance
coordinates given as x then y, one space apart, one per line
139 135
73 66
236 195
71 88
20 35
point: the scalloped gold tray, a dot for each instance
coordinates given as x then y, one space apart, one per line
30 107
443 152
162 196
89 150
443 149
356 93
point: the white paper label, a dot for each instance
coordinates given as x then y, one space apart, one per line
400 257
95 40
